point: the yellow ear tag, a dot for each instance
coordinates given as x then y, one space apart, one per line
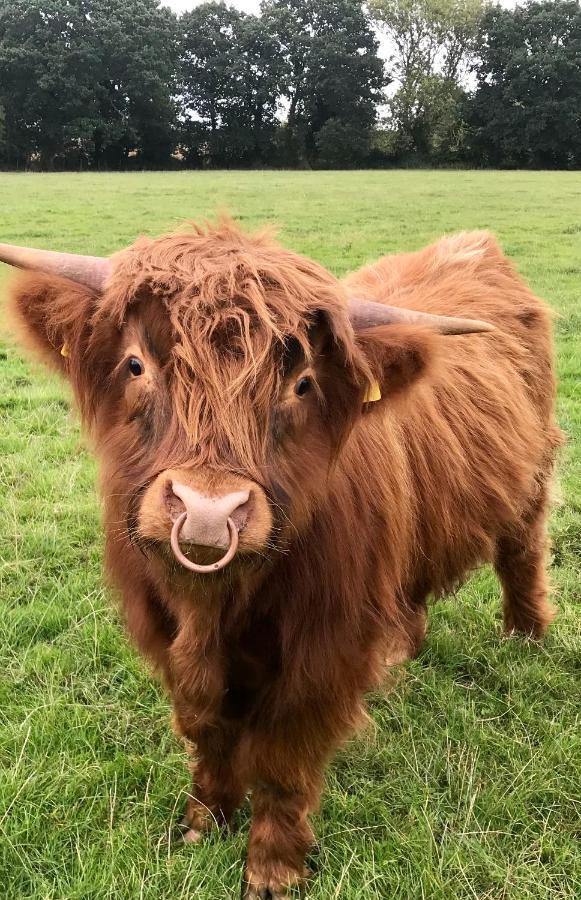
65 350
373 393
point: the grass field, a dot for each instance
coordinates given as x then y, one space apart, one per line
468 783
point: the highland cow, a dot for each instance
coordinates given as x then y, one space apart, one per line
291 465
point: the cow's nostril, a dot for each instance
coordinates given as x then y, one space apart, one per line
241 514
174 504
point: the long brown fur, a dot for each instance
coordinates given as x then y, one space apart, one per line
369 507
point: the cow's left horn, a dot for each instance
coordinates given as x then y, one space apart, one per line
92 271
366 314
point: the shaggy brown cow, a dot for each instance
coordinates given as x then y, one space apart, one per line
225 381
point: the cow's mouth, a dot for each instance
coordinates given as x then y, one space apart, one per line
199 567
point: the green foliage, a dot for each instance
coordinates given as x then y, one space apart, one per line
527 106
332 73
466 783
433 44
340 142
137 79
3 149
48 66
86 81
125 83
230 73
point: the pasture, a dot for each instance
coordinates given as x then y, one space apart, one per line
466 784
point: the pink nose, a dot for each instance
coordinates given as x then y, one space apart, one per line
206 522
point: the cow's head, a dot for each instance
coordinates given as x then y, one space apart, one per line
221 375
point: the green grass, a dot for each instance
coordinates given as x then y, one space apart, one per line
467 785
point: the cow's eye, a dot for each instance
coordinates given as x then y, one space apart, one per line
136 367
302 386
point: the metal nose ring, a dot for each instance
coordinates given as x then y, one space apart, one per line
198 567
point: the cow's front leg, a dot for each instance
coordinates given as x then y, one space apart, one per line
197 698
280 836
217 790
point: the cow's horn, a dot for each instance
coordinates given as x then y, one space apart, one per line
92 271
366 314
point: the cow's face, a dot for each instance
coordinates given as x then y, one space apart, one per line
222 378
225 407
224 426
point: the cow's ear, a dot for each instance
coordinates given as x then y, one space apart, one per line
52 317
397 356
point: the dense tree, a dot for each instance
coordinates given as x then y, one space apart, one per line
527 106
230 70
3 142
333 76
117 83
433 42
207 39
138 58
256 72
47 70
87 80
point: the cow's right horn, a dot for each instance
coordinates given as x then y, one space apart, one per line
91 271
367 314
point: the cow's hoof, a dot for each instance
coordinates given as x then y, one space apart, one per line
192 836
274 882
265 893
187 834
276 889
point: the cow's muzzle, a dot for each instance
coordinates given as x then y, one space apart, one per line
205 517
208 521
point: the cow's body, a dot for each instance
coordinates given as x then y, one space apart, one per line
475 443
268 662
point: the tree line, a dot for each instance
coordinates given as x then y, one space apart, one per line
115 84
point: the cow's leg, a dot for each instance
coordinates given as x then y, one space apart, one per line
280 837
197 693
406 641
217 790
287 777
521 566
